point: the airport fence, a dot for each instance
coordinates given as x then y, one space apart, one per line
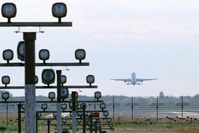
137 107
156 108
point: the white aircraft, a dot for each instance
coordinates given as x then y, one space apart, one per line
133 80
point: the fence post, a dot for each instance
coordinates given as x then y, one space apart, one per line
19 117
132 108
113 108
182 105
157 106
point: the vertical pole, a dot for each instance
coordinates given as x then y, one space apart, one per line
157 106
84 118
113 108
94 104
19 117
74 101
37 116
48 122
30 100
182 105
6 113
132 108
95 126
91 123
59 118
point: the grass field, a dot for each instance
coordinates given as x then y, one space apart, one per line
121 126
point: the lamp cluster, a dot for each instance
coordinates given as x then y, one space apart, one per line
44 54
9 10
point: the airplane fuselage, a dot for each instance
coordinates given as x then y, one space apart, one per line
133 78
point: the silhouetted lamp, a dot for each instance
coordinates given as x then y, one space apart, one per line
63 106
54 114
80 54
105 113
64 93
102 106
48 76
5 80
44 106
36 79
44 55
90 79
8 10
21 50
97 95
8 55
5 96
63 79
59 10
51 95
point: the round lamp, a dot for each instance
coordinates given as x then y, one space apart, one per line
90 79
63 106
36 79
83 105
48 76
44 55
63 79
5 80
44 106
102 106
54 114
38 115
5 95
21 50
8 55
59 10
64 93
105 113
64 120
80 54
97 95
51 95
8 10
109 120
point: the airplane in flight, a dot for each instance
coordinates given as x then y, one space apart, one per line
133 80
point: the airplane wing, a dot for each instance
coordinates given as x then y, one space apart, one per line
141 80
125 80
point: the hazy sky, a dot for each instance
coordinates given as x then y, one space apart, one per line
154 38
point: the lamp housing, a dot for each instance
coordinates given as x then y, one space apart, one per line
48 76
21 50
44 55
106 113
44 106
54 114
59 10
8 10
5 80
5 95
90 79
64 120
64 93
80 54
63 106
8 55
36 79
63 79
97 95
38 115
102 106
51 95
